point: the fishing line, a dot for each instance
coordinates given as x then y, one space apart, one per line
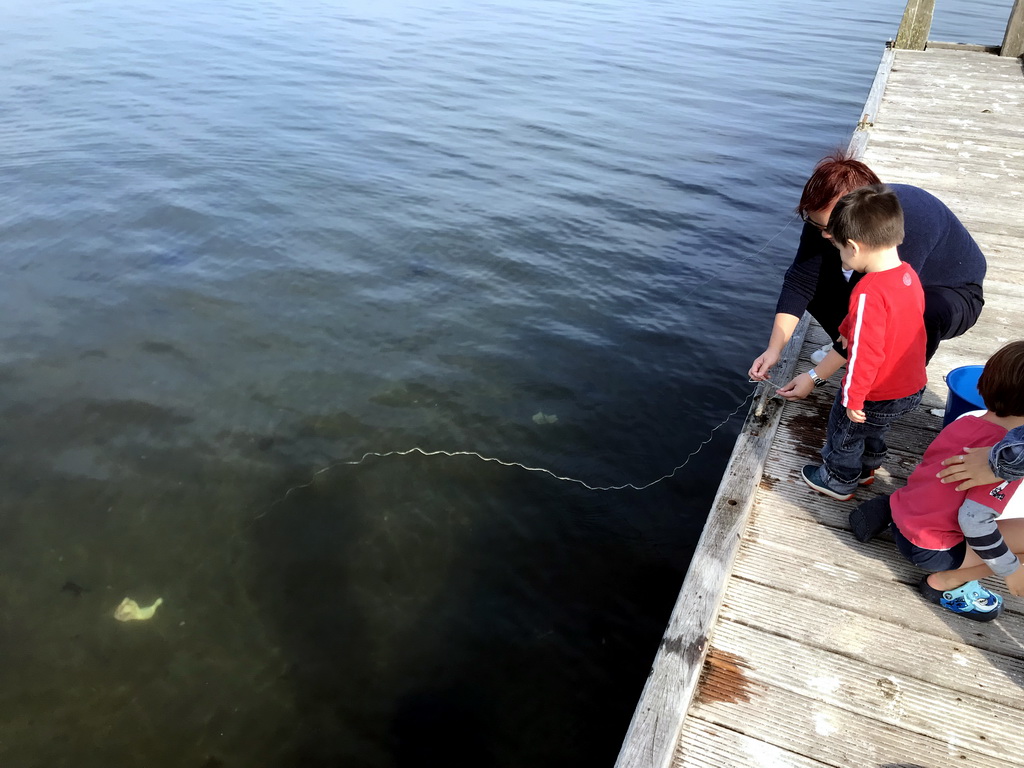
428 453
563 478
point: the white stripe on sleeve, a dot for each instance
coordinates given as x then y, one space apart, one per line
854 348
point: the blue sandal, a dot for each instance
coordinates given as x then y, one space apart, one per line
972 601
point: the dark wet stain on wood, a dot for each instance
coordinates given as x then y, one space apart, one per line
722 679
808 433
768 482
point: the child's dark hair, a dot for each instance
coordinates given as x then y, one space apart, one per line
870 215
1001 385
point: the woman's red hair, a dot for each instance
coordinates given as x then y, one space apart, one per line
832 178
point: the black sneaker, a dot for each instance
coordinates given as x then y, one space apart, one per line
811 473
871 518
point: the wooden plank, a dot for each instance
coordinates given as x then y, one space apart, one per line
874 101
654 730
835 736
898 699
941 657
772 564
821 535
712 746
939 44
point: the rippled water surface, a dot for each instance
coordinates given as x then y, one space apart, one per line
245 241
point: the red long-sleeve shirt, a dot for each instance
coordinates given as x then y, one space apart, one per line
885 337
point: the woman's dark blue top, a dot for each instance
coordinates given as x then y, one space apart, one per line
935 244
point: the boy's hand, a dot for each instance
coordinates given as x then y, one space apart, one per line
1015 581
842 340
970 469
855 415
797 389
759 370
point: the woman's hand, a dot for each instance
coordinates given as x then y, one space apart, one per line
797 389
970 469
762 365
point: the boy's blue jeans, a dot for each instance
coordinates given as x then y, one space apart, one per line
852 448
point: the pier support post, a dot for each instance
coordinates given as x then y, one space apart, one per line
1013 40
916 24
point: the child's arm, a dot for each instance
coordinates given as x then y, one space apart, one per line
867 323
978 522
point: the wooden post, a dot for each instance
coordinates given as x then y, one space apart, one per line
1013 40
916 24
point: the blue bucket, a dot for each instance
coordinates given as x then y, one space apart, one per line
963 391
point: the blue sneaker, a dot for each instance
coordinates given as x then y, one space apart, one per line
972 601
811 473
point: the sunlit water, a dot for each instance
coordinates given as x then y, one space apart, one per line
245 240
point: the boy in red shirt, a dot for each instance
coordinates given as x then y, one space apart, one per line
885 339
956 534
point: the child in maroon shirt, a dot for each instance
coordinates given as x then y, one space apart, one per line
957 534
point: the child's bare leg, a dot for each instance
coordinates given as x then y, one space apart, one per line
974 567
946 580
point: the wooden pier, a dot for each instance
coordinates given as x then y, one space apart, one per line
792 645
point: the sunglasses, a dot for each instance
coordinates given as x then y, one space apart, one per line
808 220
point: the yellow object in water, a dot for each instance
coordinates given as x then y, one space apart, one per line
129 610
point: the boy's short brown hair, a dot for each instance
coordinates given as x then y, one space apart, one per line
1001 385
870 215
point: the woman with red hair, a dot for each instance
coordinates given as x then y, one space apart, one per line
949 263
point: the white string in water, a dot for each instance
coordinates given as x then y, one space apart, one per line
542 470
481 457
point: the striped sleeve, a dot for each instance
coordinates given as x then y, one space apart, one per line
865 349
978 523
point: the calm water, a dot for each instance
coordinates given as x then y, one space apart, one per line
243 241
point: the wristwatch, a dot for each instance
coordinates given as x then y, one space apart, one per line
818 381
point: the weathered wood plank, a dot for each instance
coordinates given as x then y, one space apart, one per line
821 535
836 736
898 699
939 44
874 594
941 657
874 101
711 746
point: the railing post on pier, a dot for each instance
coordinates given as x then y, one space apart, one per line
916 24
1013 40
